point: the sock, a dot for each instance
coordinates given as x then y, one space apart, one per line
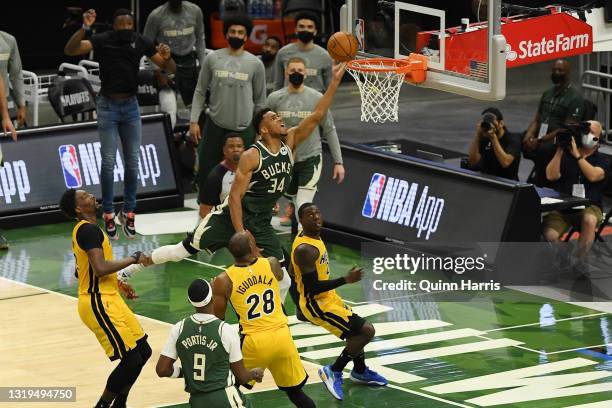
169 253
341 361
102 404
120 401
359 363
300 399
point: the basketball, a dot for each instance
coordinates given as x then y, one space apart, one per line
342 46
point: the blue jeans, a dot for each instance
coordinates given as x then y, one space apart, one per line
119 119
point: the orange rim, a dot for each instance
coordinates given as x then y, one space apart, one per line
398 66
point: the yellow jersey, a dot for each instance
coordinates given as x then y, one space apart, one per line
256 297
88 281
322 266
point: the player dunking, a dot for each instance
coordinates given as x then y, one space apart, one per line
322 306
251 286
101 307
263 175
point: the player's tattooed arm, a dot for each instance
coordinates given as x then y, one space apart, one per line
222 289
249 161
298 134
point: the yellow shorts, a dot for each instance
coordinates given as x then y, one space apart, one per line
333 315
113 323
275 350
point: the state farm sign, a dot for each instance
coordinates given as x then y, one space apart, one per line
546 38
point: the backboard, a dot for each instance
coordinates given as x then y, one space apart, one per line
466 53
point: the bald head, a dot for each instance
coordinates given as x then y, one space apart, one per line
239 245
560 72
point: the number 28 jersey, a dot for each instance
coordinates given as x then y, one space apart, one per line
270 180
256 297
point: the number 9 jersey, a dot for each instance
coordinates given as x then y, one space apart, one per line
256 297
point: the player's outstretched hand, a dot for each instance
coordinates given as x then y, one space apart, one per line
257 374
338 71
146 260
127 290
354 275
89 17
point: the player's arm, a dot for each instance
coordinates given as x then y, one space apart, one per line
76 44
163 58
7 124
231 344
165 367
249 161
222 289
299 133
244 376
166 364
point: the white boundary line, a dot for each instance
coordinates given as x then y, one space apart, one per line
421 394
578 348
514 345
538 323
204 263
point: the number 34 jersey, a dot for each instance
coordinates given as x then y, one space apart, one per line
270 180
256 297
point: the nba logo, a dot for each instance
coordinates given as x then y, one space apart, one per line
360 33
70 166
373 198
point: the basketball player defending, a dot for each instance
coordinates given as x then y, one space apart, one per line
251 286
101 307
322 306
263 175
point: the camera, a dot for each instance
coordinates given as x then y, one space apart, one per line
487 121
575 130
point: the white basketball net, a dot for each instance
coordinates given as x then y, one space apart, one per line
379 88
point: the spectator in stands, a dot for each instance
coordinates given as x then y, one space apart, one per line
219 181
12 73
180 24
237 82
7 126
268 55
495 150
318 61
119 52
293 103
580 172
560 104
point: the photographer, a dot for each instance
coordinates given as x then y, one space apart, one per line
494 150
580 170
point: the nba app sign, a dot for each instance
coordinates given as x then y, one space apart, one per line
394 200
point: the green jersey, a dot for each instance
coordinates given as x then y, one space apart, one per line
204 359
269 181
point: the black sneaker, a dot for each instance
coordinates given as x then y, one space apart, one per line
3 242
109 226
127 223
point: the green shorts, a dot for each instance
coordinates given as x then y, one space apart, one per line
562 221
216 229
306 174
224 398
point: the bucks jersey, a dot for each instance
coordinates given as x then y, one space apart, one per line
321 264
256 297
270 180
85 236
204 359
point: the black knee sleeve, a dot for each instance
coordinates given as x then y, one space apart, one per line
126 372
300 399
144 349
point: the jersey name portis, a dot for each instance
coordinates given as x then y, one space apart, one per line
199 340
252 281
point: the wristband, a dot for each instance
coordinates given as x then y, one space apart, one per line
86 27
136 255
177 371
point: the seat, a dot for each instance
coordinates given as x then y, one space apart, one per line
71 97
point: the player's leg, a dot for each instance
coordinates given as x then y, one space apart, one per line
308 180
287 368
186 79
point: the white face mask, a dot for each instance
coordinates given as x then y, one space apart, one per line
589 140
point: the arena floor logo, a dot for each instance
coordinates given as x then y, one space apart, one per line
393 200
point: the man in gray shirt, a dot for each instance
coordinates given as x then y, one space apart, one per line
10 69
7 127
237 82
180 24
318 61
293 103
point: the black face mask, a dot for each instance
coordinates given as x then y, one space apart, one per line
557 78
124 36
305 36
235 42
296 78
175 4
267 57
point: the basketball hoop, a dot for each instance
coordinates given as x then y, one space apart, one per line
380 80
